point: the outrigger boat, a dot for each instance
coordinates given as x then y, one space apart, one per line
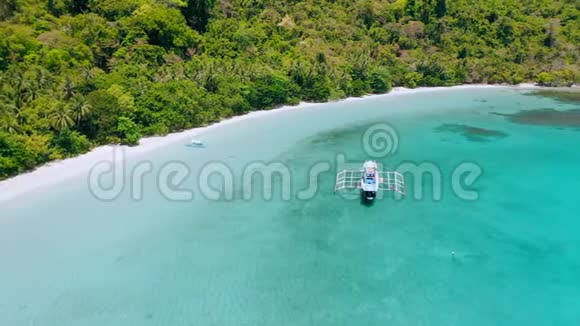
370 181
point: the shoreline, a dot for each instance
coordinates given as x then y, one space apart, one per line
56 172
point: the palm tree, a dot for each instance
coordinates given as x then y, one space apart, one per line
6 95
11 106
87 74
32 91
18 82
62 119
299 73
67 88
9 124
10 94
43 78
79 108
8 121
210 83
17 88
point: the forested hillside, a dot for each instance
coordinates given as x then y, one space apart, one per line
78 73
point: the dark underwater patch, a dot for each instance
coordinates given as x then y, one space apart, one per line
334 136
472 133
337 136
565 96
545 117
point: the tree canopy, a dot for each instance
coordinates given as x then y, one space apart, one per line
75 74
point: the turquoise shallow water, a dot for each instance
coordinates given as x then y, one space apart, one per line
70 259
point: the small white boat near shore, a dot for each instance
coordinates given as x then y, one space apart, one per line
196 143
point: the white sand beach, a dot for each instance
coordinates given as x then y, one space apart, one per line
54 172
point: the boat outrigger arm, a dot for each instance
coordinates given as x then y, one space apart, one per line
370 180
